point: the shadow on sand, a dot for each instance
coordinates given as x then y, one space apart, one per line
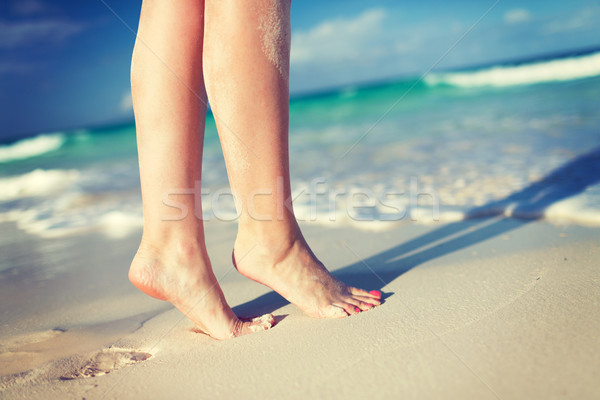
568 180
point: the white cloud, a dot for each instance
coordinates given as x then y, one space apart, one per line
517 16
340 39
377 43
26 33
126 104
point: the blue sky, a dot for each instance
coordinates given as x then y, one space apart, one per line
65 64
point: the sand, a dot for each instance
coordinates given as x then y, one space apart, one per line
490 308
275 34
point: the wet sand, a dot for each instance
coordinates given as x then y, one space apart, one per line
488 308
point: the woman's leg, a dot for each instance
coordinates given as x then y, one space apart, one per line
169 102
246 61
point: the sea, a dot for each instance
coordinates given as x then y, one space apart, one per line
513 139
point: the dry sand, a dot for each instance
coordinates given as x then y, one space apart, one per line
497 309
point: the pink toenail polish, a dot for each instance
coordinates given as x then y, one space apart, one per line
369 304
375 293
356 309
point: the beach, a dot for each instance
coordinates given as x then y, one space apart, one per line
489 308
470 198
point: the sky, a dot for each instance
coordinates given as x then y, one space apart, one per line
64 64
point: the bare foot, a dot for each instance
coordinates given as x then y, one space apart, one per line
183 276
294 272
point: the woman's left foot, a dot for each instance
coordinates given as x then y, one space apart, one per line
293 271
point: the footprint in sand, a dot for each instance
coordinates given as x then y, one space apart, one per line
107 361
22 352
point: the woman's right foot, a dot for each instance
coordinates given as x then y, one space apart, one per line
182 275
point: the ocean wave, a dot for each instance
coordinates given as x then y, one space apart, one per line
118 215
38 182
565 69
31 147
117 224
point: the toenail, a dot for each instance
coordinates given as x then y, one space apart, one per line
356 309
375 293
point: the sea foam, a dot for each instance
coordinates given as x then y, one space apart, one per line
525 74
31 147
38 182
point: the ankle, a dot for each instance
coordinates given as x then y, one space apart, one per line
265 247
268 233
180 246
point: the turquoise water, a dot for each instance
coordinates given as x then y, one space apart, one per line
508 139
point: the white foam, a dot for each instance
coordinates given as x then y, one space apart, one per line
31 147
39 182
51 220
546 71
118 224
573 210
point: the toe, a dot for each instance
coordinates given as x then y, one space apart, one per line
350 308
246 326
369 300
261 323
359 292
362 302
361 305
373 294
334 311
